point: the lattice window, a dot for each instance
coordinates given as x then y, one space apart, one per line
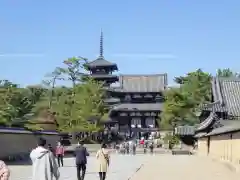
150 121
136 121
128 98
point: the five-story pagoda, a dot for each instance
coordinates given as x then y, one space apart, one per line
101 69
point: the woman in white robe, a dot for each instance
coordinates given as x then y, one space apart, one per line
103 160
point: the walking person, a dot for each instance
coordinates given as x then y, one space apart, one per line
4 171
81 154
50 148
127 147
103 160
43 162
59 153
134 146
151 147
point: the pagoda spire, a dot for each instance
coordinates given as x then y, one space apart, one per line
101 44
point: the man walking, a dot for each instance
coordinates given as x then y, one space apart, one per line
81 160
43 162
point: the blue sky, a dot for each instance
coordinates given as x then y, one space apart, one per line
142 37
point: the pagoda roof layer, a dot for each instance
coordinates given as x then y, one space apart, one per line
143 83
101 62
138 107
103 76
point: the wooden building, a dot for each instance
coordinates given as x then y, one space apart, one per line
219 133
141 101
137 102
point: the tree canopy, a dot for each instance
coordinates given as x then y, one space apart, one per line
39 107
227 72
182 103
74 112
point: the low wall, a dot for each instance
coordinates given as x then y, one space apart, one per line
223 147
202 146
19 142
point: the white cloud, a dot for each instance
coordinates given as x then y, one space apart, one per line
150 56
21 55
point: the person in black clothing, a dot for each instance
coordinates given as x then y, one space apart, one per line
151 146
51 149
81 160
127 147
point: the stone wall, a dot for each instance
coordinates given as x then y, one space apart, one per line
224 147
19 142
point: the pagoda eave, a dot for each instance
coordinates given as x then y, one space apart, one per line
105 78
111 67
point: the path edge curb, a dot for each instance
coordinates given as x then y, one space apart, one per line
138 169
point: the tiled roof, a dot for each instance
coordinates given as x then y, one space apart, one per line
138 107
101 62
227 92
185 130
116 89
212 118
215 107
112 100
230 126
226 96
199 135
143 83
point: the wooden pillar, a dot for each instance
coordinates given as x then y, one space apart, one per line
143 121
129 124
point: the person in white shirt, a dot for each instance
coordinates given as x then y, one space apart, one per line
43 162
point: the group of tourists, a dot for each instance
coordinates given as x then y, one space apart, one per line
129 147
46 161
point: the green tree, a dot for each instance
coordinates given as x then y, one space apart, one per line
182 103
74 69
50 82
73 113
71 107
177 109
16 103
227 72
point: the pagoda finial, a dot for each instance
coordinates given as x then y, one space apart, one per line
101 44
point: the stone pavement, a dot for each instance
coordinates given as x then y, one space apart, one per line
122 167
143 167
169 167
